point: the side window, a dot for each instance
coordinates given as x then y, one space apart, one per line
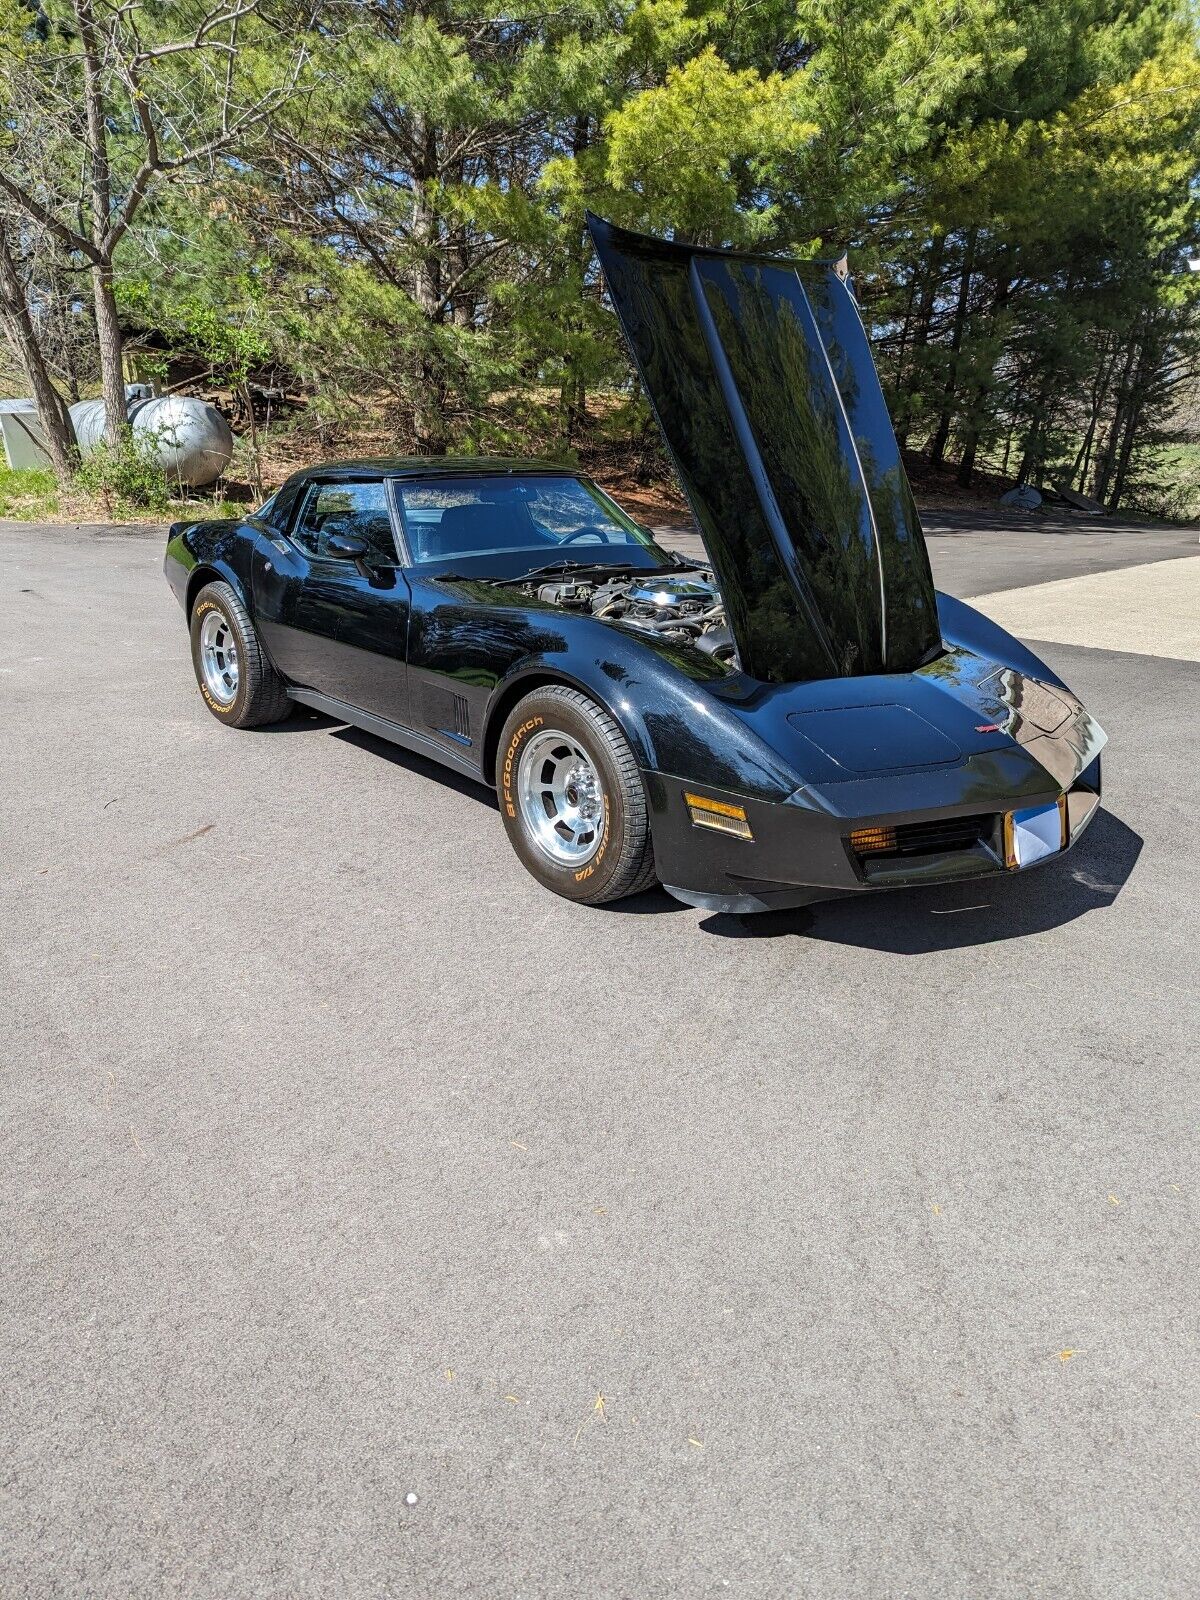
353 510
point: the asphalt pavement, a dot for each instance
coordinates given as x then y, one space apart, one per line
375 1224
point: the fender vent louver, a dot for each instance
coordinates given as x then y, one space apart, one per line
447 712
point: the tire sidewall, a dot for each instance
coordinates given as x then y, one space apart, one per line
535 713
208 601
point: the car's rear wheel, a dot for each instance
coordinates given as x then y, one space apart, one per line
239 685
572 798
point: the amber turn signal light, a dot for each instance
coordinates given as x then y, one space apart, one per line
873 841
718 815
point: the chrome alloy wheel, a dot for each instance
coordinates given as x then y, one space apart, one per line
219 657
561 798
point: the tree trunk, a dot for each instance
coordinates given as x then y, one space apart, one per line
429 421
1031 456
896 386
920 332
1079 470
1148 356
1108 454
933 274
975 411
18 326
941 437
108 328
572 394
252 428
68 333
1084 459
1132 423
108 339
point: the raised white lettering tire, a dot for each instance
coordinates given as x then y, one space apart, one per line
572 798
237 682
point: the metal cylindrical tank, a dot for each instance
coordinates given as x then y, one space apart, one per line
87 418
190 440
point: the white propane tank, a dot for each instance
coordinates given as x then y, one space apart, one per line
190 440
87 418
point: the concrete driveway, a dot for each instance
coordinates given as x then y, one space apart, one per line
841 1253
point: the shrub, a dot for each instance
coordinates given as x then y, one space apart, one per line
126 473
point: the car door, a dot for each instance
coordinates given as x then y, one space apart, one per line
330 622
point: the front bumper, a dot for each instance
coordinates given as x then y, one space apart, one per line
800 853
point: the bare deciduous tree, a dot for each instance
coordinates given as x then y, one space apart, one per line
21 331
120 96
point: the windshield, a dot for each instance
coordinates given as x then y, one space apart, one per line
502 527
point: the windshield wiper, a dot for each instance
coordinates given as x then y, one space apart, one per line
558 567
462 577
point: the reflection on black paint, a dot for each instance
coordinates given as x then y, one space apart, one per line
911 607
793 475
800 436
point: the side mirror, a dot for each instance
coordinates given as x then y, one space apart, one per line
348 547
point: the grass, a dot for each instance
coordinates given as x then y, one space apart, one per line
31 495
1178 470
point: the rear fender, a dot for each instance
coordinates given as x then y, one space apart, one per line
205 552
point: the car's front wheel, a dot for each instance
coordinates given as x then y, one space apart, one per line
238 683
572 798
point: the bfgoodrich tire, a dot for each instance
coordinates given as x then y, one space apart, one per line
239 685
572 798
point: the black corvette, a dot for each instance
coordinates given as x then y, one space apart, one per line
803 718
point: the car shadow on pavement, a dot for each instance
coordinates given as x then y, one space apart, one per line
913 922
303 719
650 903
424 766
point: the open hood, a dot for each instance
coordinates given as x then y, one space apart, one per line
760 376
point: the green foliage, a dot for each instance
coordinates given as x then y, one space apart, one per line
126 475
1015 181
688 153
200 289
28 493
1171 485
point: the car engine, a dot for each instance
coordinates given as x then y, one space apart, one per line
684 607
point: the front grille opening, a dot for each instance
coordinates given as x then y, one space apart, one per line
937 837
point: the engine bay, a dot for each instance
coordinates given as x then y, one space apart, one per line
683 606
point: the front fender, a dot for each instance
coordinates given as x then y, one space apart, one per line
674 723
962 625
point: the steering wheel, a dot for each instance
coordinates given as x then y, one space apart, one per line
595 534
